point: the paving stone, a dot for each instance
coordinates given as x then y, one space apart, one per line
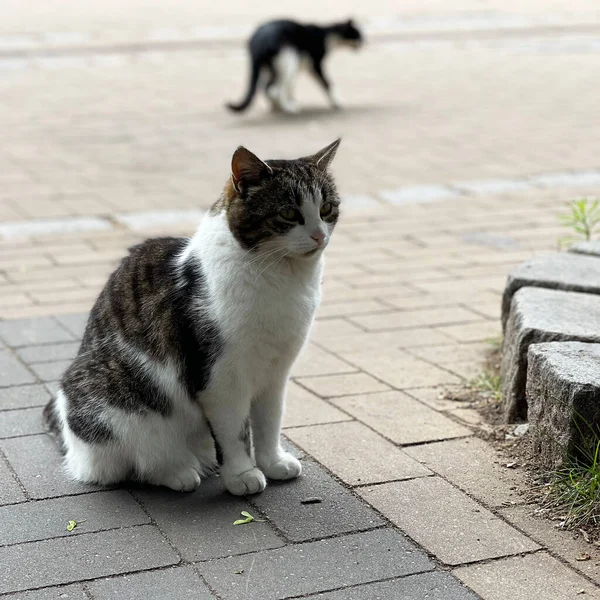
426 586
38 464
46 226
200 524
340 511
400 369
592 248
48 352
26 421
317 566
356 454
10 492
563 397
542 315
45 519
457 530
339 385
526 577
314 361
568 545
75 323
419 194
475 467
50 371
472 332
304 408
176 583
494 186
562 270
27 332
410 319
66 560
67 592
400 418
12 372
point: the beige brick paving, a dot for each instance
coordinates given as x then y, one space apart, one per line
445 521
524 577
356 454
411 292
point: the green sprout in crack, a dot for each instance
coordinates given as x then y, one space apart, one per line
248 518
583 218
488 382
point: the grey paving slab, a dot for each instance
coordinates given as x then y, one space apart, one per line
425 586
46 519
10 491
66 560
542 315
445 521
200 524
66 592
12 371
38 464
339 512
315 567
24 396
176 583
75 323
25 421
26 332
50 371
48 352
562 271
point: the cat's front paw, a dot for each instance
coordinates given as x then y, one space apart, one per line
185 480
248 482
284 466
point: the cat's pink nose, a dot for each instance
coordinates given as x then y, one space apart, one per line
319 237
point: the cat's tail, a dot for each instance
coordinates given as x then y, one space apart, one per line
254 75
52 423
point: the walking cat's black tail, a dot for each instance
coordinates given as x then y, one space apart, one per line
251 90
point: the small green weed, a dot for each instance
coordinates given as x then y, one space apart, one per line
488 382
583 218
573 492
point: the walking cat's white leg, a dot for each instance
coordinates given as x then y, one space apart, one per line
267 414
287 64
228 414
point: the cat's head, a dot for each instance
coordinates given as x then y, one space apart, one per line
288 206
348 34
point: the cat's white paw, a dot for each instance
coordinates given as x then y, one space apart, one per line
248 482
185 480
285 466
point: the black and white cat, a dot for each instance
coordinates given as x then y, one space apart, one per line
280 48
187 350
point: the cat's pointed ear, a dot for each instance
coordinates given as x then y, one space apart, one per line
247 169
323 158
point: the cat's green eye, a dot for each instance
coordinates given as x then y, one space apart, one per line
290 214
326 209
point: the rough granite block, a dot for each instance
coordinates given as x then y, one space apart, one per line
315 567
542 315
592 248
561 271
563 396
339 512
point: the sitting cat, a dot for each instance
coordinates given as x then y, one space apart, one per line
280 47
188 348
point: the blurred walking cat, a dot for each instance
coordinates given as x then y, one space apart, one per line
280 48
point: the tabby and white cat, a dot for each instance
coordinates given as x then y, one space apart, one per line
188 348
280 48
